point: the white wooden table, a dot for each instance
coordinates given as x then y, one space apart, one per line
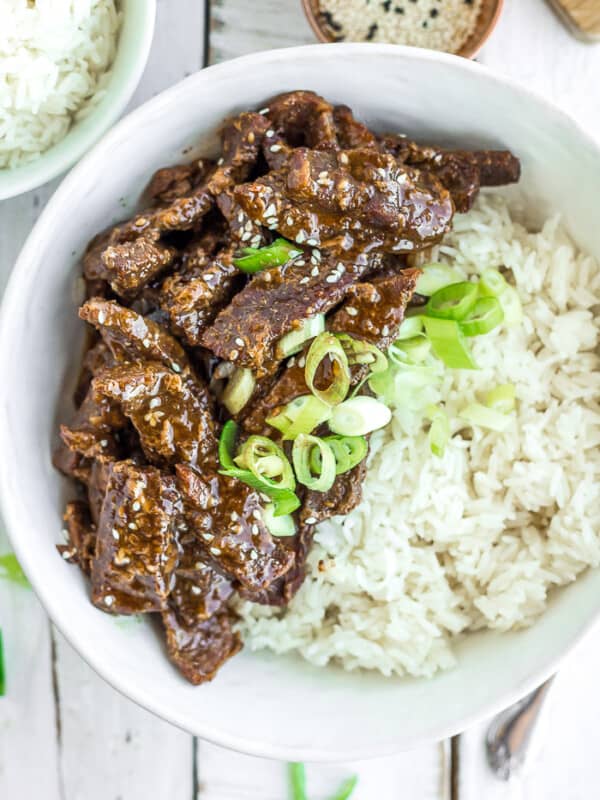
66 735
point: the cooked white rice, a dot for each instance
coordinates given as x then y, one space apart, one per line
477 538
55 57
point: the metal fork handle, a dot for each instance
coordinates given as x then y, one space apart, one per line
510 734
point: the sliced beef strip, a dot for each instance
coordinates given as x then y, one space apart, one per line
225 516
130 255
136 547
373 311
199 650
81 535
461 172
132 337
350 200
192 300
304 118
171 413
71 463
350 132
96 486
169 183
244 231
199 591
276 301
91 433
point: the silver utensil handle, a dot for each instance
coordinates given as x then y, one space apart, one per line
510 734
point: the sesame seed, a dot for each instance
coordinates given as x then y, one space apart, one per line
196 590
385 330
295 253
255 241
310 520
270 210
245 236
301 262
132 526
215 551
234 516
233 354
67 554
251 137
146 342
109 600
240 216
304 280
140 222
270 133
136 506
208 537
352 312
264 111
314 272
301 236
254 529
239 341
275 148
333 278
381 171
341 268
253 555
323 174
115 534
103 442
199 565
155 402
267 277
292 361
101 317
289 220
312 241
316 254
271 221
249 226
256 514
175 367
301 362
344 158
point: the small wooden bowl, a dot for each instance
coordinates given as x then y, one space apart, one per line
488 17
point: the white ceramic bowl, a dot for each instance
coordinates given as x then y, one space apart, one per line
135 39
262 704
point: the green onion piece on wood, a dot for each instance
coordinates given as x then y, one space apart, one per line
448 343
273 255
297 773
321 479
452 302
327 348
10 570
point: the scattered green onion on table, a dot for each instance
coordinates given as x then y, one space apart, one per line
297 783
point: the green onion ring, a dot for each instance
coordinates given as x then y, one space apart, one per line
452 302
327 345
323 480
486 315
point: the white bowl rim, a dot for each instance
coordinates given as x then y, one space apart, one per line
59 615
53 162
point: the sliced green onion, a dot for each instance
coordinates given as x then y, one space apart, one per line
2 673
346 790
327 345
410 351
294 341
348 451
297 774
239 389
439 432
227 444
280 526
301 415
511 305
436 276
10 570
255 259
484 417
486 315
359 415
266 461
321 480
410 328
452 302
502 398
361 352
284 499
492 283
448 343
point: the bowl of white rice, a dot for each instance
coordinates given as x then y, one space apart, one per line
460 582
67 70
